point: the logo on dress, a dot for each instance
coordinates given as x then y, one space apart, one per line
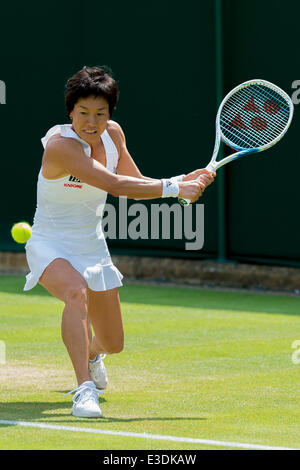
75 180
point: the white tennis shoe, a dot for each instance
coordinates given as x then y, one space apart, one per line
98 372
85 401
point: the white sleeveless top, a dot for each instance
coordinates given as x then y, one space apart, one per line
68 221
71 209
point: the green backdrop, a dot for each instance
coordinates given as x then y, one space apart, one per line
172 62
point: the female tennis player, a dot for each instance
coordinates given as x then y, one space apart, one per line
67 252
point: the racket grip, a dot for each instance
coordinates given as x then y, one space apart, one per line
186 202
210 167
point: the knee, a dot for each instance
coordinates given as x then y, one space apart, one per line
77 293
114 346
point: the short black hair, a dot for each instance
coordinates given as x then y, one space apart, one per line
91 81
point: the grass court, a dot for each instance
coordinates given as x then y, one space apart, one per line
198 364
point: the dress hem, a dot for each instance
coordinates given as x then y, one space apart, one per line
99 278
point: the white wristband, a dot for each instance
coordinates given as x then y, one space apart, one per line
170 188
177 178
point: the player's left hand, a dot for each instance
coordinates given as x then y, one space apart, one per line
206 177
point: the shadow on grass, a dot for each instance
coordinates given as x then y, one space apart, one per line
181 297
45 411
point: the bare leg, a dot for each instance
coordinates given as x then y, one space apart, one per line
75 336
106 318
65 283
95 348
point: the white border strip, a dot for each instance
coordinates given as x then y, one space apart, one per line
159 437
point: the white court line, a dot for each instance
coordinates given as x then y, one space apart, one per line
158 437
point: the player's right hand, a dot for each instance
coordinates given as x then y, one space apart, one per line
191 190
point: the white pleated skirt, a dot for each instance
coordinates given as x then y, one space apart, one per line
96 267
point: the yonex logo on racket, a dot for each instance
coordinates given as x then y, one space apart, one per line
2 92
252 117
254 114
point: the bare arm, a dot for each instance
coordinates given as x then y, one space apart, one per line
127 166
66 156
69 157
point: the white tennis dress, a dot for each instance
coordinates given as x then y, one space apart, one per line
68 222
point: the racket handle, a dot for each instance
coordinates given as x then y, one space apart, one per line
211 167
186 202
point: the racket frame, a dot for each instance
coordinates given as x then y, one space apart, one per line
214 164
241 150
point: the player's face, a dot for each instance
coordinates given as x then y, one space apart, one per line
89 118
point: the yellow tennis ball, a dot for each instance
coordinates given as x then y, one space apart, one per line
21 232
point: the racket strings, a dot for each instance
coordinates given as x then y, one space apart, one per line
250 139
243 115
269 103
257 95
236 125
254 116
235 122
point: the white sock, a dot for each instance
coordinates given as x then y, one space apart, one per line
87 382
94 360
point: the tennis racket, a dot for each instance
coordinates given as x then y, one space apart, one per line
253 117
